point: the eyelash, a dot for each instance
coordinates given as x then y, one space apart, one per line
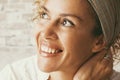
44 15
66 21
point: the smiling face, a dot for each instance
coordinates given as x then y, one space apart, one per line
64 35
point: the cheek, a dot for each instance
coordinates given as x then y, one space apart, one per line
78 42
79 49
78 45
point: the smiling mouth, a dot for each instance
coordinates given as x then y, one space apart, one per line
49 51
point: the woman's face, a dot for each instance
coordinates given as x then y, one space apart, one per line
64 35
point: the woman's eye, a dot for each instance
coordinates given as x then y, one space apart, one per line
44 15
67 23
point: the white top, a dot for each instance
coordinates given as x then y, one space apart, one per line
27 69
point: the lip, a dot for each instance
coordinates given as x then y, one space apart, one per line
49 45
44 54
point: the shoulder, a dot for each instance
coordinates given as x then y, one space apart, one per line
20 70
5 73
24 63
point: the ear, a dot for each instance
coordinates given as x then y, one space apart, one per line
99 44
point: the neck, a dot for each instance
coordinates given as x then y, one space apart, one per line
62 75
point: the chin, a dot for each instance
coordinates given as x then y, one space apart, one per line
47 69
47 64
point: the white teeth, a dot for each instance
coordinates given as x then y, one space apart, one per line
48 50
53 51
44 48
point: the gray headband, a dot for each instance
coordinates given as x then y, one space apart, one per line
108 12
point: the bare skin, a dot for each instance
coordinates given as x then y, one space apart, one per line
97 68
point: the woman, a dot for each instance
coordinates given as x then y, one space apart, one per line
70 35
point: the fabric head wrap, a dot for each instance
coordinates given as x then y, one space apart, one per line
108 12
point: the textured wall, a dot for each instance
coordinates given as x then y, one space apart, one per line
16 32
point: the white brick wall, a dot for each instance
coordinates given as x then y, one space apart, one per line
16 32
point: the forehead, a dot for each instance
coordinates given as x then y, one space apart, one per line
68 4
78 7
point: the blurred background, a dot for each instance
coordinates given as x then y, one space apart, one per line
16 32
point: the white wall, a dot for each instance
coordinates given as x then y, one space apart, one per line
16 32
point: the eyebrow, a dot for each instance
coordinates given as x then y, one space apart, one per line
72 15
45 8
64 14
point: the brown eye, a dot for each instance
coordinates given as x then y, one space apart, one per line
67 23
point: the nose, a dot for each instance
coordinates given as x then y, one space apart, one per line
49 32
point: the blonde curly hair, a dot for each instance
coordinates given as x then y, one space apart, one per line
38 10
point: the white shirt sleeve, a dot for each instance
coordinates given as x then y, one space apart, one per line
7 73
25 69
